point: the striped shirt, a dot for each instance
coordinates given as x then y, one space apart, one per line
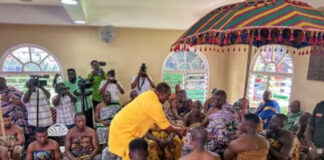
65 111
45 116
18 114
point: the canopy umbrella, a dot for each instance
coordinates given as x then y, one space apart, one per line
257 23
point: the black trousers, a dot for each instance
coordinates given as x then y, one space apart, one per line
89 118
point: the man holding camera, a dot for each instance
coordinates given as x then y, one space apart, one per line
64 104
95 77
30 100
142 82
73 85
111 85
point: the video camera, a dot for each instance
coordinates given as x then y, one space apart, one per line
83 85
143 69
39 80
111 74
102 63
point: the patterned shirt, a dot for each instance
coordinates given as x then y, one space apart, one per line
65 111
45 116
17 113
222 127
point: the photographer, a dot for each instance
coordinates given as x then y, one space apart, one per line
64 104
111 85
30 101
95 78
142 82
73 84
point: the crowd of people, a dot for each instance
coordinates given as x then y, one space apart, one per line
153 125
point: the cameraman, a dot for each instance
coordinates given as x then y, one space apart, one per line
111 85
142 82
64 103
72 84
95 78
30 101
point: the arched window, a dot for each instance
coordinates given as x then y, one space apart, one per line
190 70
272 69
21 61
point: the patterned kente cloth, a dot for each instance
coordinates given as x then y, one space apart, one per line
170 151
44 155
274 144
17 148
18 114
221 130
253 155
82 147
107 113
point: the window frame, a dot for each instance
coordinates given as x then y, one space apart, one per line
185 72
271 74
29 45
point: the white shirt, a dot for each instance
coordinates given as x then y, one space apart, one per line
146 85
113 89
65 111
45 115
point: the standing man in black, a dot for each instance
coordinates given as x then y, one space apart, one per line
315 132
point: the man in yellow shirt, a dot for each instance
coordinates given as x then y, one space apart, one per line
136 118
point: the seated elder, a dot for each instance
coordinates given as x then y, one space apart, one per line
181 105
242 148
283 144
138 149
303 121
81 141
194 117
163 145
293 116
43 148
105 112
15 139
208 103
267 109
221 125
199 138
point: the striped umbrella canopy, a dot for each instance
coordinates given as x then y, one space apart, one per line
257 23
285 22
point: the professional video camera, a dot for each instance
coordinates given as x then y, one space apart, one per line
83 85
39 80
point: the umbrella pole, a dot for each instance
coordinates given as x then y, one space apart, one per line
244 105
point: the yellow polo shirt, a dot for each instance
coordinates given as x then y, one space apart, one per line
134 120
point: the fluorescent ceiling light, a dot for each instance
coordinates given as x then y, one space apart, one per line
69 2
79 22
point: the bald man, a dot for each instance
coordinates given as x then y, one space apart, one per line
293 116
267 109
198 140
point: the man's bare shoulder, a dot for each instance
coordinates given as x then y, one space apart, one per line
213 156
202 156
90 130
17 128
52 143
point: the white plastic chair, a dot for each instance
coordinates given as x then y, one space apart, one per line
58 130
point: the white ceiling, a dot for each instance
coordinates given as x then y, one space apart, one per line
156 14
